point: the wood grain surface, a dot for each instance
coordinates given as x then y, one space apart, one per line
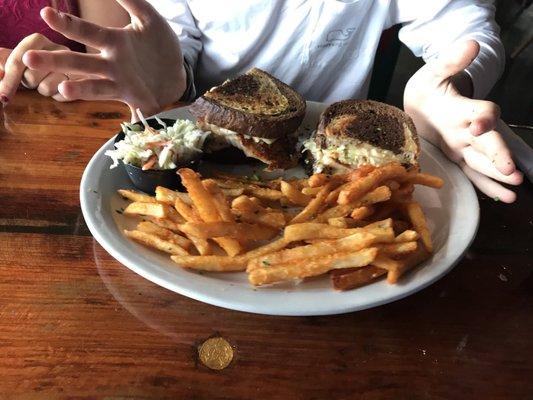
76 324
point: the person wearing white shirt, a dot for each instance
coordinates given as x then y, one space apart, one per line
325 49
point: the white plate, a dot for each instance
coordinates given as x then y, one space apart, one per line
452 212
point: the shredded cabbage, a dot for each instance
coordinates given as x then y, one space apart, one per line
170 145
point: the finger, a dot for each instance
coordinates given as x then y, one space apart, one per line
31 79
76 28
4 54
488 186
453 60
89 89
60 98
485 115
14 67
140 9
66 61
48 86
479 162
492 145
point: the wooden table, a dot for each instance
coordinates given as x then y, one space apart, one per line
74 323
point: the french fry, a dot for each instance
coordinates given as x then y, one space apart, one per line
272 219
220 200
155 242
306 268
400 226
351 278
396 268
232 192
397 249
167 196
244 204
418 219
294 195
362 212
313 206
419 178
212 263
225 263
378 195
310 230
360 172
406 236
165 234
190 215
317 180
239 231
357 188
404 193
353 242
201 198
392 185
311 191
157 210
263 193
339 222
164 223
136 196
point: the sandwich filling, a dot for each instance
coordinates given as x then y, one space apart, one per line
276 153
341 153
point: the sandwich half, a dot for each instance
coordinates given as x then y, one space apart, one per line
352 133
254 112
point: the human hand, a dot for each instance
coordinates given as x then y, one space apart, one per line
140 64
13 72
464 128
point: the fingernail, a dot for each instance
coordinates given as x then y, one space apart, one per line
4 99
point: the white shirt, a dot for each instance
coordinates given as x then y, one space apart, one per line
325 48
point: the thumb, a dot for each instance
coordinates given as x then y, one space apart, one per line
140 10
453 60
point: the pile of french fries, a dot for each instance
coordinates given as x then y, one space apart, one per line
357 226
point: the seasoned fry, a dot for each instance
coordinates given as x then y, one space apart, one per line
225 263
239 231
157 210
307 268
419 178
167 196
397 249
313 206
353 242
351 278
418 219
406 236
232 192
396 268
294 195
212 263
164 223
339 222
263 193
362 212
201 198
404 193
357 188
136 196
155 242
272 219
310 230
311 191
165 234
186 211
244 204
220 200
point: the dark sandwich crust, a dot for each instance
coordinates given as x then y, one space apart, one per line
258 125
378 124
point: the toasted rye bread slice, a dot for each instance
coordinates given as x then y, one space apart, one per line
253 104
356 132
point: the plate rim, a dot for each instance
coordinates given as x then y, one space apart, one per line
212 299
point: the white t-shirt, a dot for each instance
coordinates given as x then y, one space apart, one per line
325 48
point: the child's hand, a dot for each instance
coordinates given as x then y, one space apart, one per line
462 127
13 72
140 64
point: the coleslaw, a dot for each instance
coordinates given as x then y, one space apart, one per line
165 148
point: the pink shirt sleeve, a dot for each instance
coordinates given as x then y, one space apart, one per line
20 18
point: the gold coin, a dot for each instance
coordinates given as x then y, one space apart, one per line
215 353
